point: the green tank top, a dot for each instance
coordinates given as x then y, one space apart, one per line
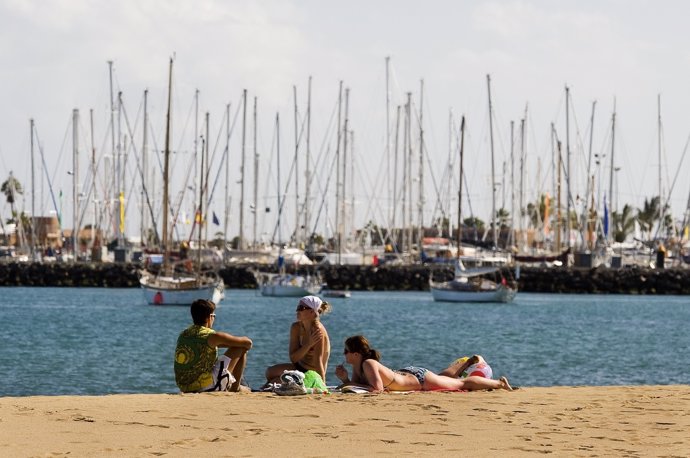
194 359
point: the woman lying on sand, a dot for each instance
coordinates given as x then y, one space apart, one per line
369 373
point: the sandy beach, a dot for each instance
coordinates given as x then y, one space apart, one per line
565 421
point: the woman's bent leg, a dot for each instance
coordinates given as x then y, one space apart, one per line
273 373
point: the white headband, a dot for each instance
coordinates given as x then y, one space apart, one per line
312 302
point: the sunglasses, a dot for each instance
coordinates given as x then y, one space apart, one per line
213 315
302 308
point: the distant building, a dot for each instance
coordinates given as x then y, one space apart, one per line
47 232
84 240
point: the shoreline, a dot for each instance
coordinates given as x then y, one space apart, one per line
571 421
560 280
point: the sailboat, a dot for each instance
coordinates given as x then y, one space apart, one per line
183 282
284 284
479 284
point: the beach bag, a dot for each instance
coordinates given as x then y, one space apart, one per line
291 384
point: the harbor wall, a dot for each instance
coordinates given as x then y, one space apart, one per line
577 280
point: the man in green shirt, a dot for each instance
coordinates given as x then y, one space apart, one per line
197 364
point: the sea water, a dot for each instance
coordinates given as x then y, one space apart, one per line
98 341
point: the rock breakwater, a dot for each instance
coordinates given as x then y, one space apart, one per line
631 280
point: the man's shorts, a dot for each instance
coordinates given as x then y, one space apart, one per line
222 379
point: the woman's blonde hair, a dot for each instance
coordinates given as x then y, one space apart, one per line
325 308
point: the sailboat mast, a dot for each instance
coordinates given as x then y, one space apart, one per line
144 168
462 172
75 182
590 186
394 201
307 188
338 177
493 175
558 198
120 176
661 191
166 167
521 197
226 207
206 170
280 203
405 159
420 203
391 198
343 199
450 163
109 175
256 176
244 135
591 139
568 171
296 162
196 148
201 219
512 186
613 169
95 244
33 194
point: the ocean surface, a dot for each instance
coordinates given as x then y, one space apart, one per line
99 341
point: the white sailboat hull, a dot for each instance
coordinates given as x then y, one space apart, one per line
339 293
180 290
448 292
282 285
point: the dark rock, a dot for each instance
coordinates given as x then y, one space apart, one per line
574 280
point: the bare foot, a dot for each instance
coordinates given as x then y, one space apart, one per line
504 384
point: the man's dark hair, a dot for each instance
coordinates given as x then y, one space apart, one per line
201 310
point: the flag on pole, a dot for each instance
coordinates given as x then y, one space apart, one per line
122 212
59 216
606 218
215 219
547 204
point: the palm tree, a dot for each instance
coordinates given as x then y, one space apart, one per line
537 212
623 223
474 224
11 188
648 214
503 218
442 225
